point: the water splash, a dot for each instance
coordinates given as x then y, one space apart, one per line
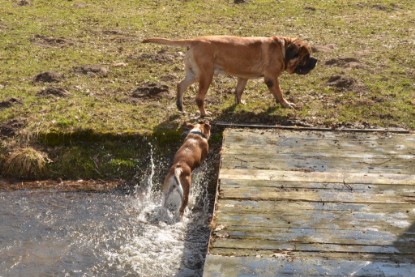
167 247
49 233
149 182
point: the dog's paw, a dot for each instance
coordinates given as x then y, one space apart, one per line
240 102
179 104
288 105
205 114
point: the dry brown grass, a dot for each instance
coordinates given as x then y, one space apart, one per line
25 163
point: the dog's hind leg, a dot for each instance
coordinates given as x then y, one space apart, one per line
182 86
240 86
204 82
190 78
186 182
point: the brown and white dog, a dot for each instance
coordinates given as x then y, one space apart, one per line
189 156
243 57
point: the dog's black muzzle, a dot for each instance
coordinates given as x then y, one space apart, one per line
306 67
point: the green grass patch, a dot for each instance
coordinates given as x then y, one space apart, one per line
368 44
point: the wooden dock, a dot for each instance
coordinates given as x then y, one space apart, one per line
309 203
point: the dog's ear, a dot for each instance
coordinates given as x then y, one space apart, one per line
207 126
292 51
206 129
188 125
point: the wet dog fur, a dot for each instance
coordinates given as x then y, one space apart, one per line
189 156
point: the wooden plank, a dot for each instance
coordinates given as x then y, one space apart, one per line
314 203
396 210
319 163
317 222
284 265
303 128
315 235
398 218
324 177
241 137
276 245
297 185
300 143
266 193
301 150
294 255
244 134
247 206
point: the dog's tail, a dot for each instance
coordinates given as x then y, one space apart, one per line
177 173
175 186
180 42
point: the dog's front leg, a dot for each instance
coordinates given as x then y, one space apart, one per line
274 87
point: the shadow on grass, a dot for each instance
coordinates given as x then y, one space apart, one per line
268 117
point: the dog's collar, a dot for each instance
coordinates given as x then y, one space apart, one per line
198 133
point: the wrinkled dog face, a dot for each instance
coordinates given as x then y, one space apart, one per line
298 58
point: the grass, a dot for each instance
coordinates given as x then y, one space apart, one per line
61 35
25 162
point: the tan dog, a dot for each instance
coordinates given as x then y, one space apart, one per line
189 156
243 57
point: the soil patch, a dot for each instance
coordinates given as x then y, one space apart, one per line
168 78
60 185
340 82
113 32
10 128
23 3
46 41
51 91
323 48
9 102
386 8
93 70
310 9
345 63
48 77
150 90
117 36
380 7
161 56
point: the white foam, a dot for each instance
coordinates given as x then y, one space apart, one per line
166 246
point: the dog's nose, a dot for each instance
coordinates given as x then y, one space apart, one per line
312 63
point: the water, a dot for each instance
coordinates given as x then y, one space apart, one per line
53 233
